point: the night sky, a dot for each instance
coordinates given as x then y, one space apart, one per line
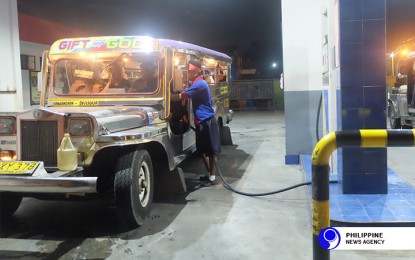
251 27
400 22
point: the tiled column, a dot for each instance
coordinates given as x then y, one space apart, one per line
362 96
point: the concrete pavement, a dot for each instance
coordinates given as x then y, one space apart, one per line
205 223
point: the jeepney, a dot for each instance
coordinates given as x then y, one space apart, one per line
104 126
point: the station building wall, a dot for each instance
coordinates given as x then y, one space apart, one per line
11 96
336 47
24 38
302 59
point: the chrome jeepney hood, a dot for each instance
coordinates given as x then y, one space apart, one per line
111 119
40 131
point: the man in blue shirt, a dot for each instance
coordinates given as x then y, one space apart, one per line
207 131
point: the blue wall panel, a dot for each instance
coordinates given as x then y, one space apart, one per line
372 9
351 53
350 10
350 103
362 91
358 76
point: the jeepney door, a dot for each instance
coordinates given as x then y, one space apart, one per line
179 109
181 116
168 66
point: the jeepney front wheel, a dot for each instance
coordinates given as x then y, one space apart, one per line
134 187
395 122
9 202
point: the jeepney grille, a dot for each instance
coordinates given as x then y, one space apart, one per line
40 141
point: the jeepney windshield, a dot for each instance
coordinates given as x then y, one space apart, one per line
118 74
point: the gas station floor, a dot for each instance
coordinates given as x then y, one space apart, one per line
396 208
202 223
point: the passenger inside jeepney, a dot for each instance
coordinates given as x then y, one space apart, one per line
115 74
148 80
82 76
101 87
80 86
221 76
208 77
85 86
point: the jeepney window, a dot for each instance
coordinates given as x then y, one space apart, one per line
62 79
179 60
121 74
180 81
221 72
208 70
208 75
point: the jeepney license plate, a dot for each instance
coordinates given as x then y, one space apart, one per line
18 168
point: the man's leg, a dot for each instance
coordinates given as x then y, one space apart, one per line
212 161
211 180
205 160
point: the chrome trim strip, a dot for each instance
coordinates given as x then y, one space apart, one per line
48 185
126 136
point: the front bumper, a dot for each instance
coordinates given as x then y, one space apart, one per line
48 184
44 182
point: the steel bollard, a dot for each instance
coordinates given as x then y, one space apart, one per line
320 170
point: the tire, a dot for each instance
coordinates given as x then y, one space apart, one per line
9 202
134 187
395 122
225 135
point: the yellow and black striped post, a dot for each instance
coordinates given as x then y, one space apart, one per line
320 170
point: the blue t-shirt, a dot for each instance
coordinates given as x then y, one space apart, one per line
199 92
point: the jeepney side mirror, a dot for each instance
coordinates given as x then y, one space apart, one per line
179 81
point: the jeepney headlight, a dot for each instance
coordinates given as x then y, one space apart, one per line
80 127
7 155
7 125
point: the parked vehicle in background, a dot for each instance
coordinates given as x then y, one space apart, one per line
401 112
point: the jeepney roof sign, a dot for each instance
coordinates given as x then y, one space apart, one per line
106 44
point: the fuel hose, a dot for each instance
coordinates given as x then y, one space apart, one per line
229 187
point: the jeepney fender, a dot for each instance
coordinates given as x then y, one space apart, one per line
157 148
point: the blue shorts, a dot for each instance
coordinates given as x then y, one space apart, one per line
207 137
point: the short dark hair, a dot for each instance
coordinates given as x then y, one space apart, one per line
196 63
